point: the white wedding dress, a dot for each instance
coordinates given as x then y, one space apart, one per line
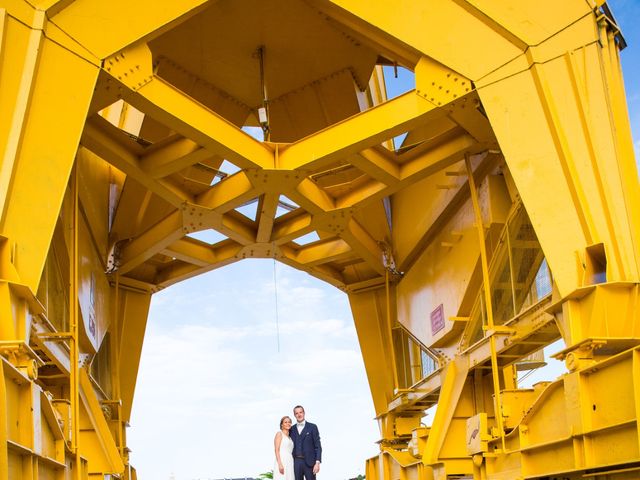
286 456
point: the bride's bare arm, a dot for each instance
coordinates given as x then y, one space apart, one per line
277 441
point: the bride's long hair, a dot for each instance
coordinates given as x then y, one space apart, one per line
283 419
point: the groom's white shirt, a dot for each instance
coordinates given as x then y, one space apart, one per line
300 426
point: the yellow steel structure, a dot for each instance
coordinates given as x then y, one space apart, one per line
507 219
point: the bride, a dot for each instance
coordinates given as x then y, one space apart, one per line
283 468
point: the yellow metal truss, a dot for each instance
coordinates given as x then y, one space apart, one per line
508 217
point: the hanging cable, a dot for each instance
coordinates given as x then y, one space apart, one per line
275 291
263 112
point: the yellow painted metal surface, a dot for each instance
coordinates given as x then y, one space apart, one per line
508 218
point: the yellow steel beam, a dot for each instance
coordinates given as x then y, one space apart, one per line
228 193
99 30
362 244
4 418
378 163
154 240
237 227
437 157
19 117
173 157
96 416
52 7
311 197
445 214
565 156
267 209
38 149
225 253
358 133
549 81
287 229
486 282
368 316
191 251
577 162
115 332
505 27
323 252
75 385
134 308
183 114
324 272
453 376
363 194
423 164
175 109
98 136
629 193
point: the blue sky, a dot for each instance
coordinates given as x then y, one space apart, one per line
213 384
627 13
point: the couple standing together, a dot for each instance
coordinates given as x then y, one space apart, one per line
298 449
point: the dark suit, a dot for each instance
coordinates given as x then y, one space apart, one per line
306 450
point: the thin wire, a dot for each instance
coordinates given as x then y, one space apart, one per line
528 374
275 291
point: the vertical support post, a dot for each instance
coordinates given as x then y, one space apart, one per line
511 277
495 373
635 366
394 360
73 314
4 455
115 365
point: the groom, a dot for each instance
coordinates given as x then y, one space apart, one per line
307 451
